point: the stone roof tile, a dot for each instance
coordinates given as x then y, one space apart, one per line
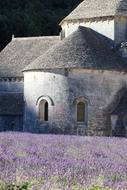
98 8
22 51
84 48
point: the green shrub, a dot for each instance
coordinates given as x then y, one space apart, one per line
24 186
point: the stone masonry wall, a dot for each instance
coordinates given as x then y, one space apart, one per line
11 86
113 28
11 122
104 26
61 89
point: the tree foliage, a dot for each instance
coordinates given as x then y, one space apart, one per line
32 18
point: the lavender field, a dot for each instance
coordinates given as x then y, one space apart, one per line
53 162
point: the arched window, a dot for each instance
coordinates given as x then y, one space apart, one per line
81 112
43 110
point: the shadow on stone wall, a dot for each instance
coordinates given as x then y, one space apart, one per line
118 112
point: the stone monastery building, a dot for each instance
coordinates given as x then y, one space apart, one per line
74 83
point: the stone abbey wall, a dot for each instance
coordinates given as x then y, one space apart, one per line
120 29
61 88
115 28
101 25
12 85
10 121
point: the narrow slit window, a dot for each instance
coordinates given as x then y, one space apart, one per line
46 111
81 112
43 110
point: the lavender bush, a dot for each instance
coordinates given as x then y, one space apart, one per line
52 162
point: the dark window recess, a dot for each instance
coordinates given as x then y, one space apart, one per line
46 112
81 112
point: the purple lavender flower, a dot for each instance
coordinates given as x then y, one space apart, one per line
56 161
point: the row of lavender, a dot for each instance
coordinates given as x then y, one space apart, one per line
63 162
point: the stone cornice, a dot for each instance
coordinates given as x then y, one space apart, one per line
11 79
